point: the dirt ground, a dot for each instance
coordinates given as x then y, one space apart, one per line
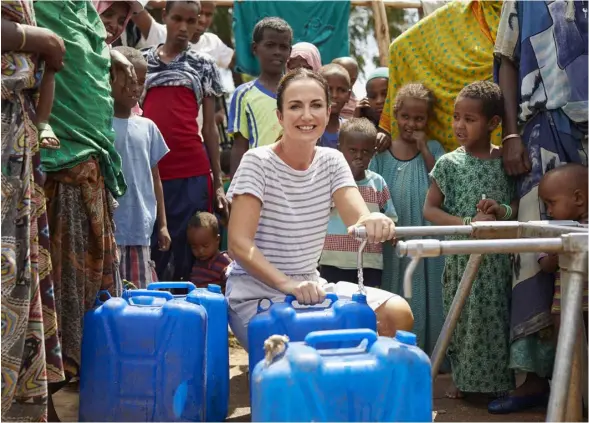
447 410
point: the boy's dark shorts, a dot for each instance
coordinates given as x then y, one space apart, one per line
372 277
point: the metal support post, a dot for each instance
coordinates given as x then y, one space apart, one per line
468 277
565 402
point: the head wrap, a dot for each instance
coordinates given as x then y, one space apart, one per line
308 52
135 6
378 73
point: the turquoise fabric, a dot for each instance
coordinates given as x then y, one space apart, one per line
408 183
322 23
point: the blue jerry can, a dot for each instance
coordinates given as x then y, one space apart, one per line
217 343
217 362
381 380
297 322
143 359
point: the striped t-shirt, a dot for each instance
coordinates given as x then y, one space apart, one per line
340 249
295 205
252 113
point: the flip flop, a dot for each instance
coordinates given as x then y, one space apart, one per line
46 133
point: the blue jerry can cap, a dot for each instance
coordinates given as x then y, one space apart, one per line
214 288
359 298
406 337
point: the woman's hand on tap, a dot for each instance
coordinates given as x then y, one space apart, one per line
379 228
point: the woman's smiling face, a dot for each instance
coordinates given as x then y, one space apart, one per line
305 110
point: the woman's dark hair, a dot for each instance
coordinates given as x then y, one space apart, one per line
296 75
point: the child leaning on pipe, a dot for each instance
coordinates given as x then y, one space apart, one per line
357 141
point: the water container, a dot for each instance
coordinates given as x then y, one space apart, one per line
217 361
143 359
298 322
217 343
381 380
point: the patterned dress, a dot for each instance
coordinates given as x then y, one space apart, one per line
408 184
31 352
479 350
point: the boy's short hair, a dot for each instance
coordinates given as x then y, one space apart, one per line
274 23
489 94
170 4
133 55
575 174
204 220
357 126
335 69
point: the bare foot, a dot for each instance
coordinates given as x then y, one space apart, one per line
50 143
453 392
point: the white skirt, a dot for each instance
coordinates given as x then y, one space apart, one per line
244 292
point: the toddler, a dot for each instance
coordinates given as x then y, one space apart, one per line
210 264
338 80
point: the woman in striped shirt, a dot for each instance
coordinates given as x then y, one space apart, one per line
281 197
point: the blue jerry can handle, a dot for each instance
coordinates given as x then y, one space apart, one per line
147 293
98 302
289 299
154 286
324 336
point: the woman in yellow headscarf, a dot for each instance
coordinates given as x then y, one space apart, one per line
445 51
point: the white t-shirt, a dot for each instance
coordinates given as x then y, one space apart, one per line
208 43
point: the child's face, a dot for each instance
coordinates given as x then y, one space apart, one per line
297 62
411 117
203 242
181 22
471 126
114 19
339 89
376 91
273 51
562 201
358 150
128 95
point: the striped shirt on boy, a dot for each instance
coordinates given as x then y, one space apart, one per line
340 249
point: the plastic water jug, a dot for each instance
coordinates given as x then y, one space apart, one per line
297 322
143 359
217 343
380 380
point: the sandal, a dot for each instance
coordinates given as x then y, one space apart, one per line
47 138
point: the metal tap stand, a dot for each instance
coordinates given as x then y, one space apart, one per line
569 240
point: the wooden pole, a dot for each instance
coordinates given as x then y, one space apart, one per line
395 4
381 31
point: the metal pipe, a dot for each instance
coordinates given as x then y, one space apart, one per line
408 277
462 293
435 248
567 338
417 231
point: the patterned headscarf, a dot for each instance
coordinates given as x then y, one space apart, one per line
135 6
308 52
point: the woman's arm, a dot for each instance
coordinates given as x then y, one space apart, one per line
354 212
350 205
32 39
143 21
515 156
243 225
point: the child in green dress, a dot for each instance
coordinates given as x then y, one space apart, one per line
463 183
405 167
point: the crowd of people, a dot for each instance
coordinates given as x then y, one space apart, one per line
113 176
